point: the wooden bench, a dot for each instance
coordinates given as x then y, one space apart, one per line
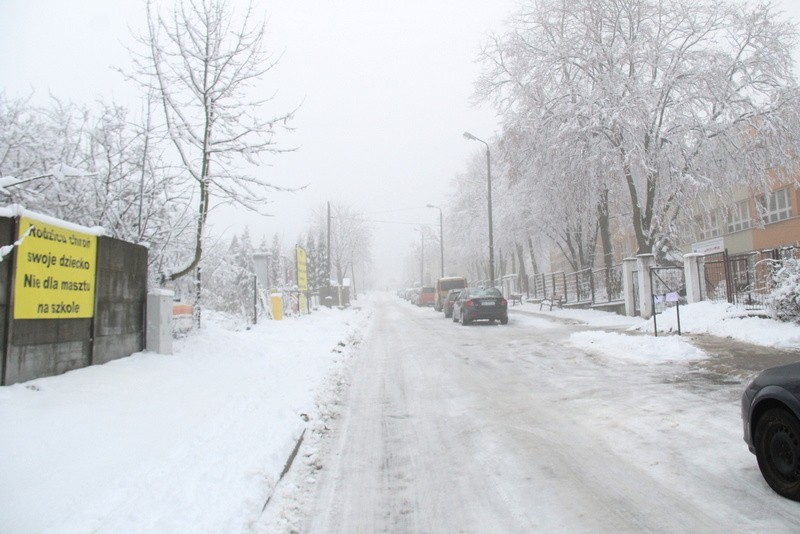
553 300
515 298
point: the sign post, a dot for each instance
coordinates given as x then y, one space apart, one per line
302 279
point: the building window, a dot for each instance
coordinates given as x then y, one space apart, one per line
708 225
739 217
776 206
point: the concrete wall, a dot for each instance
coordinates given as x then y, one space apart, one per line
7 230
39 348
33 348
121 299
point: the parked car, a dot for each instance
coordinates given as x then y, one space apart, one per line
771 420
413 295
447 305
443 286
426 296
477 303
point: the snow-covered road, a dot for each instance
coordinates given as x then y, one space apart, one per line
411 423
492 428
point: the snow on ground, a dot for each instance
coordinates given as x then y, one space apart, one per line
714 318
196 441
635 393
637 349
727 320
192 442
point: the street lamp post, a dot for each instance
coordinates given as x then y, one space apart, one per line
441 237
421 258
471 137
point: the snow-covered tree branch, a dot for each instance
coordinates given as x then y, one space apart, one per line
662 102
202 61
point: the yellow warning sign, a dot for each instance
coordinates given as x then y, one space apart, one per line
302 269
55 275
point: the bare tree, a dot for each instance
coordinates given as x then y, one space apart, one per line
658 100
90 165
18 139
201 61
466 229
350 238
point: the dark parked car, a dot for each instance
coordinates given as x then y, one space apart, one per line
447 303
475 303
771 419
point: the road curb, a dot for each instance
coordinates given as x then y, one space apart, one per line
286 467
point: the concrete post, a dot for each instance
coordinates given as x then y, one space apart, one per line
261 265
159 321
628 268
693 272
644 262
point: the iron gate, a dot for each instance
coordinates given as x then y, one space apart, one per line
744 279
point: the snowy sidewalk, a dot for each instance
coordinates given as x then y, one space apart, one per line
193 442
735 345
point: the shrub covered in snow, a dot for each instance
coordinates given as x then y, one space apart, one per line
785 297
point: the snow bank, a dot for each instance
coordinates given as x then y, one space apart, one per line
637 348
726 320
192 442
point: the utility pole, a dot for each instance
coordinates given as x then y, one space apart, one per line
328 298
353 277
421 258
441 237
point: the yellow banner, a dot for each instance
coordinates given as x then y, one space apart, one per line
55 274
302 270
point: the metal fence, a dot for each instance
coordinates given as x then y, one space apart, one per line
587 286
579 286
546 285
607 284
743 279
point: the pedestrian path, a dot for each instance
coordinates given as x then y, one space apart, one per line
737 358
728 358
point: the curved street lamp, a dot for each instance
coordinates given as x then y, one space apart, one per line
441 236
471 137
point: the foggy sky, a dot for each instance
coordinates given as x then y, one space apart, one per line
383 87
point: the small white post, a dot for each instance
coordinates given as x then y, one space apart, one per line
694 277
645 261
159 321
628 268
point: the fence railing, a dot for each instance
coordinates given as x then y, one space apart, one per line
743 279
587 286
607 284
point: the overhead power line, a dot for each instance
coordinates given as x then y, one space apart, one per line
379 222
